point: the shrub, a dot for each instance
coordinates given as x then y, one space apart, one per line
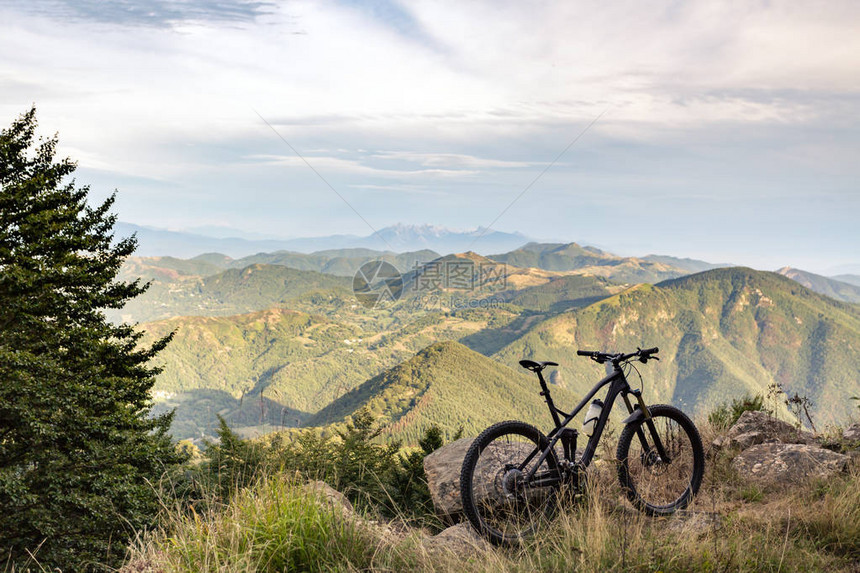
726 414
372 475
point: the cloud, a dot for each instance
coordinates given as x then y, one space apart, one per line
160 13
353 166
454 160
723 99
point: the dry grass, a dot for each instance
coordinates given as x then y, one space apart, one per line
734 525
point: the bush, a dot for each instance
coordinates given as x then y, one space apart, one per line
726 414
372 475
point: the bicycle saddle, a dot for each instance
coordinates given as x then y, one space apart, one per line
536 366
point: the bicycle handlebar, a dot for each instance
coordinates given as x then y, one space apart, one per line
601 357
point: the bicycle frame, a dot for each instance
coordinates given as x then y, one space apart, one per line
618 384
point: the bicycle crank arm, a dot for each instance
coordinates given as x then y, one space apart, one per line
544 479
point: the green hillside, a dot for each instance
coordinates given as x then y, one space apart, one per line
275 368
445 384
340 262
721 333
233 291
553 256
589 260
217 259
562 293
168 269
827 286
297 361
470 275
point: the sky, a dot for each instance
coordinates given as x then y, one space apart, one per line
728 132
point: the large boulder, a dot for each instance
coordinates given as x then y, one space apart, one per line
442 468
788 464
330 496
754 428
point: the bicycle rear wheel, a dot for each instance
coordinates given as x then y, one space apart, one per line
655 485
497 498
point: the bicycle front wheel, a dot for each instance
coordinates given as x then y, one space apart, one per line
498 498
653 484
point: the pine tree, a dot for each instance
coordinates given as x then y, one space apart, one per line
78 450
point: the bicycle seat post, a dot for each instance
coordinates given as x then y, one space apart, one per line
537 367
545 393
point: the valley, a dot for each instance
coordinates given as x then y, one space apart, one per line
277 341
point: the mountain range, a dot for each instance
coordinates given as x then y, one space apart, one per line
590 260
721 333
398 238
277 340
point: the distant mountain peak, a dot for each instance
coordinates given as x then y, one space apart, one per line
424 228
834 288
400 237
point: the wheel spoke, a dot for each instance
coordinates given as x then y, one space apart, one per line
654 483
498 498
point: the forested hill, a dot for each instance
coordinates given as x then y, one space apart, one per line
234 291
589 260
445 384
721 333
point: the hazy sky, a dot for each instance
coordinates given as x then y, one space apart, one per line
730 131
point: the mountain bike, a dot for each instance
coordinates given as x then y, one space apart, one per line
513 474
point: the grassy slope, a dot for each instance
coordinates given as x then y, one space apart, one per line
734 524
721 333
445 384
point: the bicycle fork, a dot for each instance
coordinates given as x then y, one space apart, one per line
649 423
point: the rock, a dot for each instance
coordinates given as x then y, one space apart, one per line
460 539
787 464
333 497
442 468
852 433
760 428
